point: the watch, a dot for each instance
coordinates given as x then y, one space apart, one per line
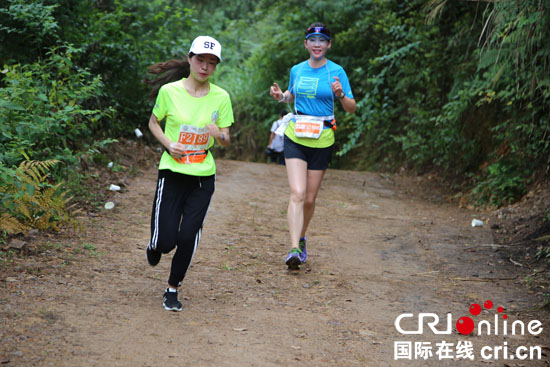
342 95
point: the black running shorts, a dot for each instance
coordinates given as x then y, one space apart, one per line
316 158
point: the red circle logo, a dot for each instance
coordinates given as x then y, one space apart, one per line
475 309
465 325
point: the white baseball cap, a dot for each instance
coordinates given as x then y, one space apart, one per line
206 45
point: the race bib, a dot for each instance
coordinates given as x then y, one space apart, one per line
195 139
308 126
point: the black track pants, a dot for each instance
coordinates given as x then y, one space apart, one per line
180 206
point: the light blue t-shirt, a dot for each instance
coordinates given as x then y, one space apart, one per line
313 95
311 87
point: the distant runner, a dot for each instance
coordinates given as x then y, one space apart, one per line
197 112
276 141
314 85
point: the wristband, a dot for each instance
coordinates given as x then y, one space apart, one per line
283 99
223 137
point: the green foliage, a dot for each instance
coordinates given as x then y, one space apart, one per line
50 109
26 28
458 86
502 184
122 41
35 18
514 64
451 94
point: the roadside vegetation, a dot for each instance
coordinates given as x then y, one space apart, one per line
460 88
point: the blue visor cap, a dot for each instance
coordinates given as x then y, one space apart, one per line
317 31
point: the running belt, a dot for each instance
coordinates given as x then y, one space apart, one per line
329 123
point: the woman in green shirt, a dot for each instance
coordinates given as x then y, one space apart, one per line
196 112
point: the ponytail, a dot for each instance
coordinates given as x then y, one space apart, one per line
166 72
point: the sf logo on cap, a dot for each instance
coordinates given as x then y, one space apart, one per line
209 45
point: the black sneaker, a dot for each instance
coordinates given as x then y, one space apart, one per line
153 257
171 302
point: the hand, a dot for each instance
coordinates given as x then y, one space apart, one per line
337 87
276 92
214 131
176 150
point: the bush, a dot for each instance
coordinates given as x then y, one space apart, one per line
50 109
51 113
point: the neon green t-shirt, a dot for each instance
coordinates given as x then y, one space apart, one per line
180 108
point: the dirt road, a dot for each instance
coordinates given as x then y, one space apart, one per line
377 250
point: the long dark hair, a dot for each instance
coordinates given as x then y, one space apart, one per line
166 72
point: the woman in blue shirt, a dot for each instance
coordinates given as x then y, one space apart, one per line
309 138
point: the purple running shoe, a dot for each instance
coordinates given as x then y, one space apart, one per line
303 256
293 260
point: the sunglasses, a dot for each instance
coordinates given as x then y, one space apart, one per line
317 30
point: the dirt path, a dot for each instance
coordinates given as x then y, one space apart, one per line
376 251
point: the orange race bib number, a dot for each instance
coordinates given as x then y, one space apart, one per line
196 140
308 126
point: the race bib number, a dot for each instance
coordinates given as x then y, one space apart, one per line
195 140
308 126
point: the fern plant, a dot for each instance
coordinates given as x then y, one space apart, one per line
31 201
